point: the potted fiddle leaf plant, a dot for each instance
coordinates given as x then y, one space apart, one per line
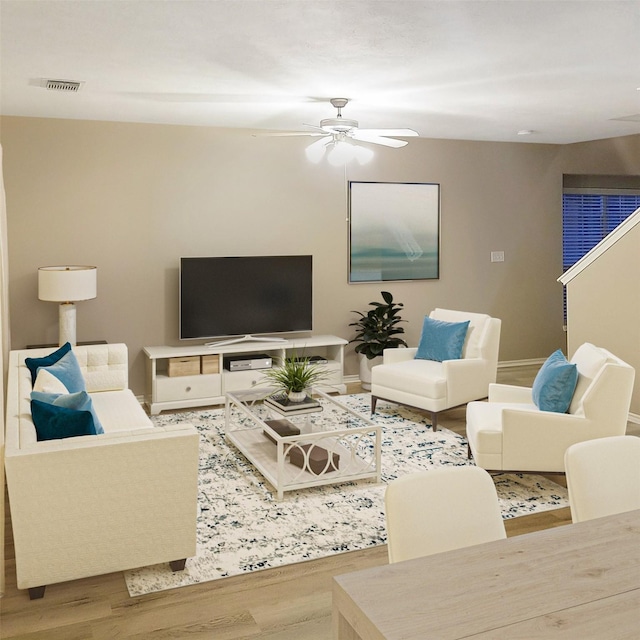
294 376
376 330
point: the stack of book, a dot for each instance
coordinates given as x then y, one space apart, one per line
280 402
282 427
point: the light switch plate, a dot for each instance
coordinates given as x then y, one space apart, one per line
497 256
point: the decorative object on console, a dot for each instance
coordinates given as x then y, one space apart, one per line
313 458
377 330
281 403
67 285
186 366
294 375
282 427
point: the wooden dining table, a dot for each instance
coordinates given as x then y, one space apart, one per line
575 582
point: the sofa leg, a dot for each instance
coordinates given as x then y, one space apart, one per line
434 422
374 401
35 593
178 565
469 455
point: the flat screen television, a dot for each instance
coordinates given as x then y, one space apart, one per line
243 296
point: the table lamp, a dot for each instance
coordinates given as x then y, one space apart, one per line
67 285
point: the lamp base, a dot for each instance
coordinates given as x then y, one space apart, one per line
67 323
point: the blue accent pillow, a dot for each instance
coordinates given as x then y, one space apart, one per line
33 364
441 340
80 401
53 423
67 370
555 384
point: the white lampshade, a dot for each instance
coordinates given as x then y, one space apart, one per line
67 283
363 155
341 153
316 150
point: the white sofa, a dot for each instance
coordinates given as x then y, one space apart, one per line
96 504
510 433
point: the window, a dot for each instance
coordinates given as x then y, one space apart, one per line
587 218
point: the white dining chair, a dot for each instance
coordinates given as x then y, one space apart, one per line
439 510
603 477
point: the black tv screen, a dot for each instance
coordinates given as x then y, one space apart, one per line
234 296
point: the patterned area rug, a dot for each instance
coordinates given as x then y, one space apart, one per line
242 527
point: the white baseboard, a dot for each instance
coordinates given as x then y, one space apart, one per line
506 364
355 378
634 417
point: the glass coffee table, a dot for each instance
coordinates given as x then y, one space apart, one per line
294 450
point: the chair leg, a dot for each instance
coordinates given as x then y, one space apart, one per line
35 593
469 456
374 401
178 565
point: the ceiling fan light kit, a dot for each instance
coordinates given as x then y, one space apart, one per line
343 152
316 150
338 137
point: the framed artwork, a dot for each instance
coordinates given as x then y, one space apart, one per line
394 231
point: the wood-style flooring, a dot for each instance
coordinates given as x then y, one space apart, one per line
288 603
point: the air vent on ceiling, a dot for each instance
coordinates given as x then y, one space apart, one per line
67 86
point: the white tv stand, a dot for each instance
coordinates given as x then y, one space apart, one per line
164 392
247 338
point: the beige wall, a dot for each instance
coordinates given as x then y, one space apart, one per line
603 305
133 198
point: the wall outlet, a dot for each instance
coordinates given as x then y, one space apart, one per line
497 256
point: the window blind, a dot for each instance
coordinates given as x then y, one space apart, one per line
588 218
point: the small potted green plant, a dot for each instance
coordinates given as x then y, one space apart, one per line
294 376
377 330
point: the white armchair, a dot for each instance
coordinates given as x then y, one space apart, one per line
438 386
510 433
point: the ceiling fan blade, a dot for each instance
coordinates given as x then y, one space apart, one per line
315 126
365 136
279 134
400 133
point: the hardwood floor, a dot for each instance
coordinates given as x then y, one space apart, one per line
288 603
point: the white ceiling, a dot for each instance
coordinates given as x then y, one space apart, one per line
475 70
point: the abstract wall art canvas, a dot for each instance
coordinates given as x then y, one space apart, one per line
394 231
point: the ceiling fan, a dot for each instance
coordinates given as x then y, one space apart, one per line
340 133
